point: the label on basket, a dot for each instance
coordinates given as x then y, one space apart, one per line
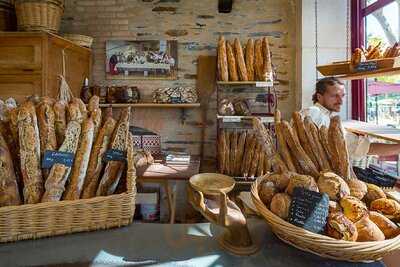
52 157
367 66
115 155
309 210
231 119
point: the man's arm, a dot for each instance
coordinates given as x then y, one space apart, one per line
384 149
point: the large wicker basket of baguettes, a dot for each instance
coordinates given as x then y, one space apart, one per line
91 193
357 222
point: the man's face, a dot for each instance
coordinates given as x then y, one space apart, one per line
332 99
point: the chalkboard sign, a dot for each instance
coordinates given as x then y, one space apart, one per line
52 157
309 210
367 66
175 99
115 155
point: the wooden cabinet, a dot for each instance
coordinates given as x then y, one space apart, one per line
30 63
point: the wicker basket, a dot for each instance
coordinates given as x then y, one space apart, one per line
65 217
8 20
321 245
79 39
39 15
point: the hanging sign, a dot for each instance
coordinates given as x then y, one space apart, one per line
367 66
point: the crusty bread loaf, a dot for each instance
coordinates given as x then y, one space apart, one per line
254 161
267 66
114 169
9 192
389 228
60 121
94 103
242 70
251 143
302 136
29 143
227 137
260 166
46 121
95 115
339 227
221 151
368 231
222 60
233 152
240 152
258 60
82 107
131 168
81 162
59 173
250 59
233 74
283 147
74 113
96 158
108 112
337 144
299 154
323 136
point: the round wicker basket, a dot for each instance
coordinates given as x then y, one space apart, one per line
35 15
79 39
322 245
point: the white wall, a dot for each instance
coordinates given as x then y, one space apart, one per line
332 44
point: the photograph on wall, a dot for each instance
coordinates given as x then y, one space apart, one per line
148 59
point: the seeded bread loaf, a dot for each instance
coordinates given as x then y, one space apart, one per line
60 121
46 121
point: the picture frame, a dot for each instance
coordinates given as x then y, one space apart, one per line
142 60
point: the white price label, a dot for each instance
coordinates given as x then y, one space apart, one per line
267 119
264 84
230 119
396 62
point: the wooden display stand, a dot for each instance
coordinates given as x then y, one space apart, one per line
31 62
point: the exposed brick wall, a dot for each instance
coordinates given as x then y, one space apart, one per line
196 24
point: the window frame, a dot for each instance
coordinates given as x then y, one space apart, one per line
358 13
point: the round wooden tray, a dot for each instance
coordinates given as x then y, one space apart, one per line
212 183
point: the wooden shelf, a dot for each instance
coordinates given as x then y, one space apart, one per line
264 118
260 83
370 74
150 105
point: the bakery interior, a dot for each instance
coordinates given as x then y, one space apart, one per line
199 133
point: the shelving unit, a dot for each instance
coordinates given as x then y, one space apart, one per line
182 107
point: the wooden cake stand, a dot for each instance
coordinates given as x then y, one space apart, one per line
207 194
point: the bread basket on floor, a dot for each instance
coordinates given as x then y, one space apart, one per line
66 217
321 245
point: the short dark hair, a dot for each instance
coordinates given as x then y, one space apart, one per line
322 85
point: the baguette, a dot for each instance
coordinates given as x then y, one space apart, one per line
221 151
227 151
60 121
283 147
314 135
131 169
304 141
300 155
222 60
258 60
113 170
260 165
267 66
323 136
242 70
59 173
240 152
95 115
233 152
254 161
81 162
9 192
249 155
96 158
74 113
29 143
82 107
250 59
94 103
108 113
338 148
46 120
233 74
267 163
314 148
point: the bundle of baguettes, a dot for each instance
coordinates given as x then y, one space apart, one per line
40 125
251 63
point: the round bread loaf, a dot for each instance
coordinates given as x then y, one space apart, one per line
368 231
353 208
266 192
280 205
304 181
339 227
333 185
385 206
389 228
374 192
358 188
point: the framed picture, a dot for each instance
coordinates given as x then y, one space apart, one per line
141 59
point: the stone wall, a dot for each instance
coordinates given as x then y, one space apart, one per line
196 24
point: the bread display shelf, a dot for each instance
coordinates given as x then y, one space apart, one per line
263 118
151 105
344 70
256 83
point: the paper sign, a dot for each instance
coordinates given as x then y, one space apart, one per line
264 84
115 155
52 157
267 119
231 119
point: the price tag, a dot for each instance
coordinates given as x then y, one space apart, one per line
264 84
267 119
52 157
175 99
367 66
231 119
396 62
115 155
309 209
